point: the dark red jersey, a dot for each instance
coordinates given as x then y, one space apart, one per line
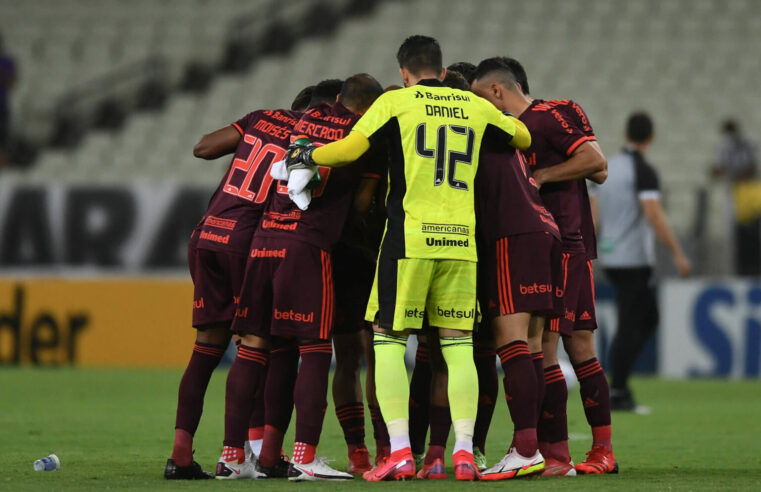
507 199
321 224
557 129
238 203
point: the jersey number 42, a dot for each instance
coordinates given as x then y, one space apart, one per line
445 160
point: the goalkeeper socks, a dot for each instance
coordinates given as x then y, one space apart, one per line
311 391
595 396
552 430
244 381
487 393
462 388
520 393
391 380
195 380
420 396
538 359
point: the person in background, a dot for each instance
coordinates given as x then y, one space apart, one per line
7 81
629 216
736 161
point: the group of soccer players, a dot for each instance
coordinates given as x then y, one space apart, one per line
423 204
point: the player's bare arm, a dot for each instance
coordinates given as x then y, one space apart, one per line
216 144
587 161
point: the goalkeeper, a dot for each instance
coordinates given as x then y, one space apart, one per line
427 263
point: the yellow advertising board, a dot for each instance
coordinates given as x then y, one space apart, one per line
96 322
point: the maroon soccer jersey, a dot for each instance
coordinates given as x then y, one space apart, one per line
321 224
557 129
237 205
507 198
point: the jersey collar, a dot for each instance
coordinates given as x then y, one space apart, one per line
431 83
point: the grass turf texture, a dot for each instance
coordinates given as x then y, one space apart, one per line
113 429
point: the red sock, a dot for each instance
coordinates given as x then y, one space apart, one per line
195 380
595 395
303 453
520 392
434 452
601 437
272 445
244 382
553 422
351 416
230 453
256 433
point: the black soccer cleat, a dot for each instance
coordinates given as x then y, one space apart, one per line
278 470
190 472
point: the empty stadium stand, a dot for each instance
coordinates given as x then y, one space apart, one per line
690 63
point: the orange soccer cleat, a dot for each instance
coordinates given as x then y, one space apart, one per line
359 461
433 471
400 465
464 467
599 460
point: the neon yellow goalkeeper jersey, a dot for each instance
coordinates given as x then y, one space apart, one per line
434 135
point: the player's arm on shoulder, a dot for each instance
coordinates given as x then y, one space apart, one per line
351 147
341 152
216 144
586 161
521 137
363 198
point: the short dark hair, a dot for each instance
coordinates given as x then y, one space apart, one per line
639 127
420 54
326 92
360 91
455 80
466 69
301 101
507 66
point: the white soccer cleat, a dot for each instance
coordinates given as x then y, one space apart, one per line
249 453
316 470
232 470
513 465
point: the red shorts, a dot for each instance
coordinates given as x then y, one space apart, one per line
217 279
522 274
287 291
578 296
354 274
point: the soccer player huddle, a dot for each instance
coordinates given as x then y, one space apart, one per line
454 208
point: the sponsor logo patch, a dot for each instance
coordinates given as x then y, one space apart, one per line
268 253
292 315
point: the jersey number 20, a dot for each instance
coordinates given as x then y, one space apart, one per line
259 159
446 160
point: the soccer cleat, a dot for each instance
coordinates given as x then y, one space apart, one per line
400 465
278 470
232 470
513 465
434 471
190 472
318 469
249 453
599 460
479 459
359 461
464 467
557 468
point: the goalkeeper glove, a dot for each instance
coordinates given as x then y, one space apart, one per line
299 155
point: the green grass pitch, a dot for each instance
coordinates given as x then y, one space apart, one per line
113 429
